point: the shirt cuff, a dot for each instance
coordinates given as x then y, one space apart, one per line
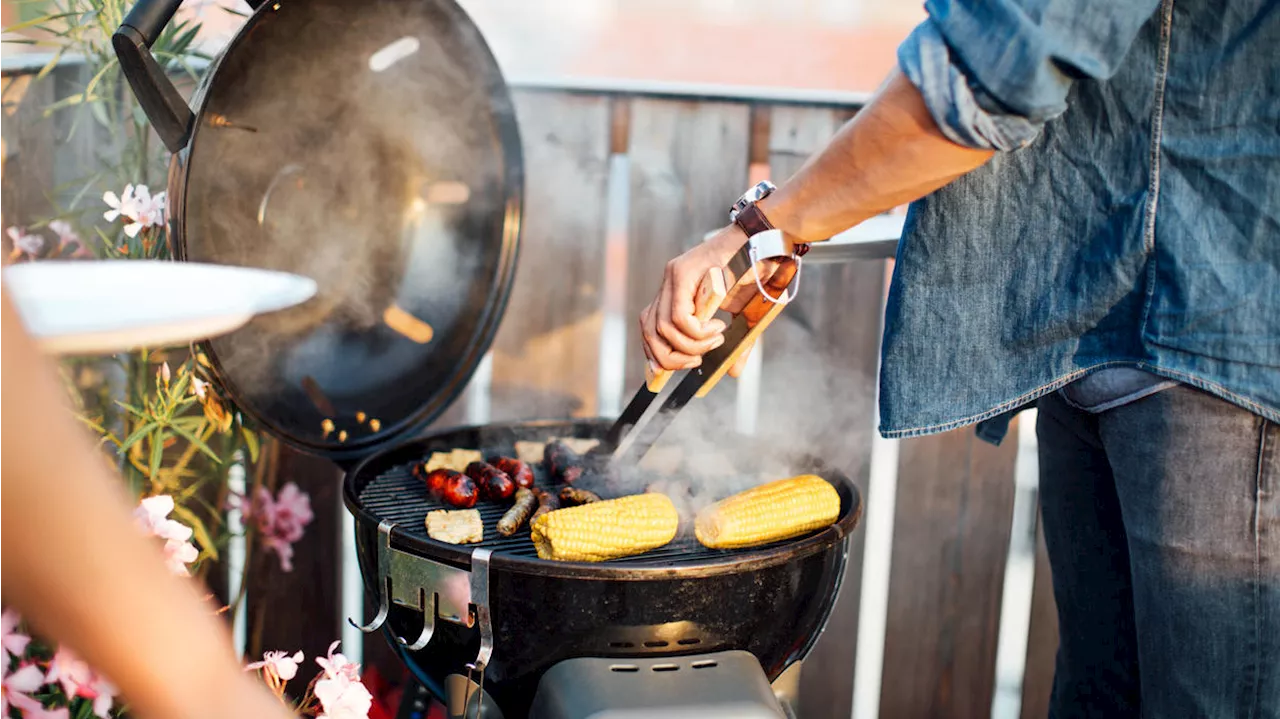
966 114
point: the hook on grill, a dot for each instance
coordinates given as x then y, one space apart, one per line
384 598
428 622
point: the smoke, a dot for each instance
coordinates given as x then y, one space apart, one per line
815 416
353 145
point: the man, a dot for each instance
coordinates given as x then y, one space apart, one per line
1099 236
78 569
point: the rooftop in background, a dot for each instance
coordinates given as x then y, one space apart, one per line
817 45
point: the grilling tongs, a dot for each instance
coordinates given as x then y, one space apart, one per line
753 304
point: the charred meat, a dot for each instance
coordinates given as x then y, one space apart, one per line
570 496
519 513
460 491
563 464
493 483
547 502
518 471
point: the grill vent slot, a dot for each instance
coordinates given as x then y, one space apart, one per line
689 641
665 667
621 645
703 664
628 668
654 644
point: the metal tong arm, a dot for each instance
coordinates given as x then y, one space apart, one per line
649 413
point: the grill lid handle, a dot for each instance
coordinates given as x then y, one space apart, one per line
165 108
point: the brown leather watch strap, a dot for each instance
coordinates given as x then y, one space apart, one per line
752 220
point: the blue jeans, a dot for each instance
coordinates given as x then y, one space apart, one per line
1162 521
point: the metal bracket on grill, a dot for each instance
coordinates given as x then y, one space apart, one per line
437 590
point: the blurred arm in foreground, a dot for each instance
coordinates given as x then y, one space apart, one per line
75 565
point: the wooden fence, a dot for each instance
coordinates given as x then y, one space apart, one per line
619 181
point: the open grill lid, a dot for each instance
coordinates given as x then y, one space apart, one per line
372 147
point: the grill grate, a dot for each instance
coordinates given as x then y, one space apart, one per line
399 497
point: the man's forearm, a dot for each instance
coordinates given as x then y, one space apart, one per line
890 153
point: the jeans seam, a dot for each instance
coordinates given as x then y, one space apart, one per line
1260 478
1157 133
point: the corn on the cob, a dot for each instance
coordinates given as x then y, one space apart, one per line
769 513
606 530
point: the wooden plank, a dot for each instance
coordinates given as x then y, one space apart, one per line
818 392
1042 638
546 353
951 537
301 609
28 150
688 164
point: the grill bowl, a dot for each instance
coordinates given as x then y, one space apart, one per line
681 599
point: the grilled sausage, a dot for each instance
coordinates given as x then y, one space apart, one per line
563 464
547 502
574 495
519 472
460 491
493 482
519 512
436 480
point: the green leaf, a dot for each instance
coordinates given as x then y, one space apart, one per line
48 67
70 101
197 527
157 453
133 410
199 443
37 22
97 77
137 436
179 387
251 443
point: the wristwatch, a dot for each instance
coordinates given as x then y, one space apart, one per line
746 214
763 239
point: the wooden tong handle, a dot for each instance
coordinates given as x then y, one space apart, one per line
760 313
711 293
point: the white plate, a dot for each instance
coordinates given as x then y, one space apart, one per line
105 306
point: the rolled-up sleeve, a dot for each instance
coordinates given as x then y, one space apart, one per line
993 72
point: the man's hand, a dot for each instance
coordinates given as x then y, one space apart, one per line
674 339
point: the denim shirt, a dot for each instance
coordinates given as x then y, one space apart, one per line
1130 218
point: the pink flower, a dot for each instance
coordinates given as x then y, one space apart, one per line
282 520
137 207
278 666
126 206
15 644
104 696
152 516
343 698
79 680
25 242
39 712
15 688
336 665
63 230
72 673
